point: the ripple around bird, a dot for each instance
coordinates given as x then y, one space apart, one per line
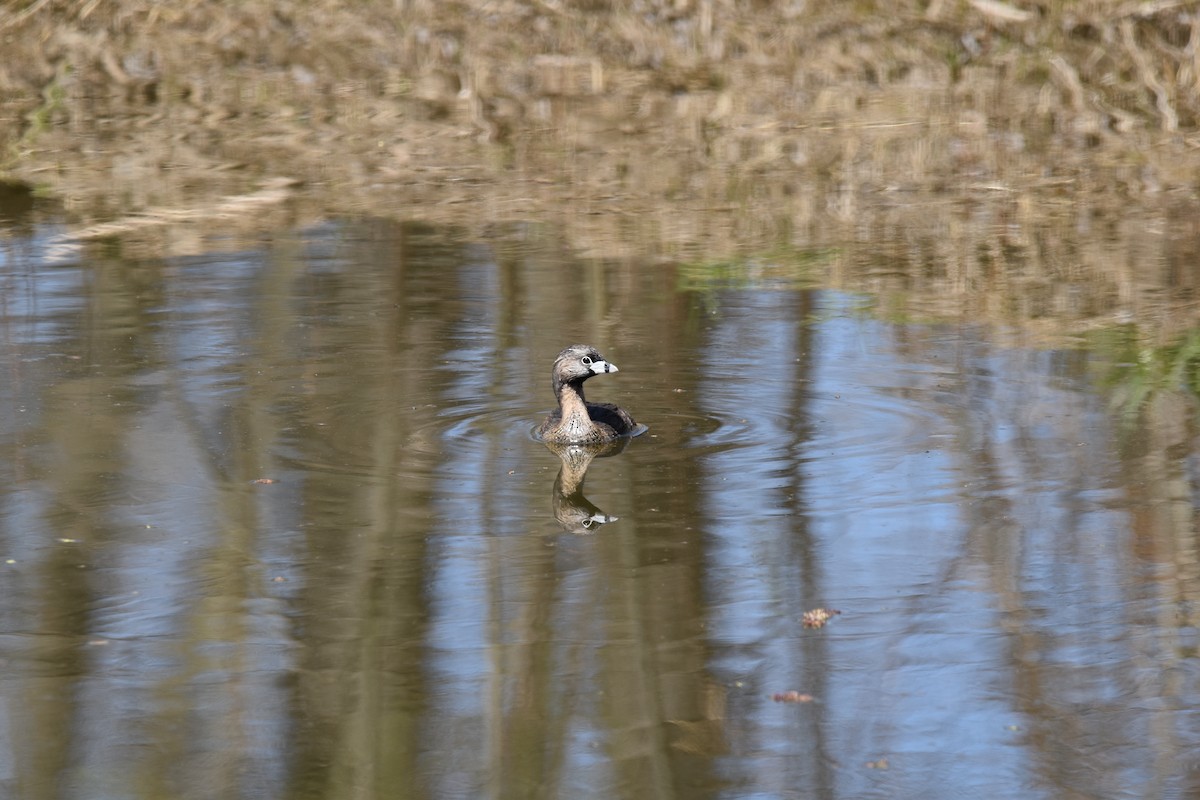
870 421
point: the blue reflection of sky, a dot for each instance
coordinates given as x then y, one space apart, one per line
868 503
959 500
115 551
37 296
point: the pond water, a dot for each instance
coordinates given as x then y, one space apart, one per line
273 524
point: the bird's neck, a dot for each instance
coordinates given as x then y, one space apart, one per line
573 407
570 398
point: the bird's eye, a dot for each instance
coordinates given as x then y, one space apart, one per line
587 361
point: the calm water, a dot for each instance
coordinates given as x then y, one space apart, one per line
272 525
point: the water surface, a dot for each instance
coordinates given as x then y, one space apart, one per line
272 524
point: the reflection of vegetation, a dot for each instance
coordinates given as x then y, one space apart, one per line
1135 372
54 97
784 269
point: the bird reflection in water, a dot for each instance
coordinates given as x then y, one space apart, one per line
574 512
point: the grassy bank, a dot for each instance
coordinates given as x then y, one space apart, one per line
690 126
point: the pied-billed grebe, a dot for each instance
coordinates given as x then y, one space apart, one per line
577 421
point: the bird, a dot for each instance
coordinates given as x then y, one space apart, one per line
577 421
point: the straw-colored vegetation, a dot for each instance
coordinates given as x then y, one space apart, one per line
963 133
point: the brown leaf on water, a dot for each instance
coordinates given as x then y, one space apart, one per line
792 697
818 617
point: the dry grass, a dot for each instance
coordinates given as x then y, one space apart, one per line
688 129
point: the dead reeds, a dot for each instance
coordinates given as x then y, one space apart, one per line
689 129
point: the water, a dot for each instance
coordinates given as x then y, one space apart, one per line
273 524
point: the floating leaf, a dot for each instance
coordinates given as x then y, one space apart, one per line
792 697
818 617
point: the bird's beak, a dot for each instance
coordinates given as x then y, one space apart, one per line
603 366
